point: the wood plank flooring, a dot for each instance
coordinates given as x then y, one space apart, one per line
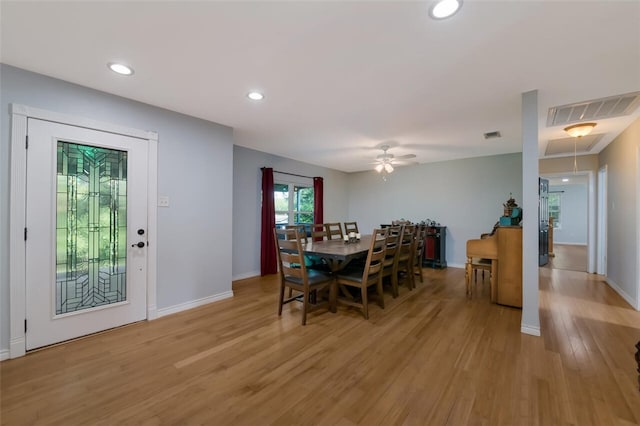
568 256
432 357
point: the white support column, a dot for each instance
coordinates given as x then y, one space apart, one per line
530 314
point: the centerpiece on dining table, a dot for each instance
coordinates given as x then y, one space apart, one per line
351 237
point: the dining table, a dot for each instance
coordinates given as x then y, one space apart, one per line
338 253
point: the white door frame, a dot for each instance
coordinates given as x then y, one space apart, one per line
17 214
591 214
602 220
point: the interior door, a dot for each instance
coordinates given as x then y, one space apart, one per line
543 222
86 216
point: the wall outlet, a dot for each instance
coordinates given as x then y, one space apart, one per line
163 201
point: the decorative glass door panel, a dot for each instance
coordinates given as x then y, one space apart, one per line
91 227
86 246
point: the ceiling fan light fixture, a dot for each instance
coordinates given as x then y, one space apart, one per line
579 130
379 168
388 168
443 9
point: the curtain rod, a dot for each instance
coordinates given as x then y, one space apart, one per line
290 174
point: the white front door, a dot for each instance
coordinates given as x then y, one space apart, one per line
86 231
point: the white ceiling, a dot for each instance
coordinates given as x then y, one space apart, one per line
341 78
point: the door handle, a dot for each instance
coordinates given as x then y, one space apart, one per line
140 244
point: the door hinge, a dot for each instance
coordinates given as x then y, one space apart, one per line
26 142
25 325
25 234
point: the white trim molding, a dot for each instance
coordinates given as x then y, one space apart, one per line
17 213
622 293
530 330
194 303
4 354
245 275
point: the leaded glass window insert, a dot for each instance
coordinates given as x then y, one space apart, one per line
91 227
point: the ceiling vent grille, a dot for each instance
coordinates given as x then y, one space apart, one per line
491 135
583 145
597 109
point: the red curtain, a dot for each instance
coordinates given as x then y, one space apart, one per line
268 261
318 197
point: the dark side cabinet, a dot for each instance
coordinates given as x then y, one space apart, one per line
435 252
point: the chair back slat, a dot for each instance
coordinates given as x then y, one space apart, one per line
318 232
350 227
376 254
334 231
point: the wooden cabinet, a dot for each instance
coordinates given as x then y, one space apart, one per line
435 247
509 282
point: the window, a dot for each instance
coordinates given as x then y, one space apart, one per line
293 203
554 208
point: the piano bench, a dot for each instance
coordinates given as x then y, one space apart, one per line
472 267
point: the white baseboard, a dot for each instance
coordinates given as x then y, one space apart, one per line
17 347
152 312
245 275
622 293
530 329
4 354
569 244
455 265
194 304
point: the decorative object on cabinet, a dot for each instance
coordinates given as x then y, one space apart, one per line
435 250
512 213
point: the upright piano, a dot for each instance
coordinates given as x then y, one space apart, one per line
504 250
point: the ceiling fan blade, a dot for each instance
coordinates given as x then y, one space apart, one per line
405 157
404 163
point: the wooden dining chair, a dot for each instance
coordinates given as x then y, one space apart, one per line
334 231
421 235
406 255
351 227
367 276
390 264
318 232
300 228
300 280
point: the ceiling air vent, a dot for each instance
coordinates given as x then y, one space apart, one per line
597 109
566 145
491 135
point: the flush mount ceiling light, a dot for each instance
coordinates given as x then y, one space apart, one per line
255 96
120 68
444 8
577 131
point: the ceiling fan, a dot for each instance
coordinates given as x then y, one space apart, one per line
385 161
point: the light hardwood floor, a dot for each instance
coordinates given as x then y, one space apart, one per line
432 357
568 256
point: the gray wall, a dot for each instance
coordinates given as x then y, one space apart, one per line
621 157
247 186
464 195
195 160
573 214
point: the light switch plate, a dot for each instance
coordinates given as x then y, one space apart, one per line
163 201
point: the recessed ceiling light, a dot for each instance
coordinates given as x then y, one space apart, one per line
255 96
444 8
565 179
120 68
